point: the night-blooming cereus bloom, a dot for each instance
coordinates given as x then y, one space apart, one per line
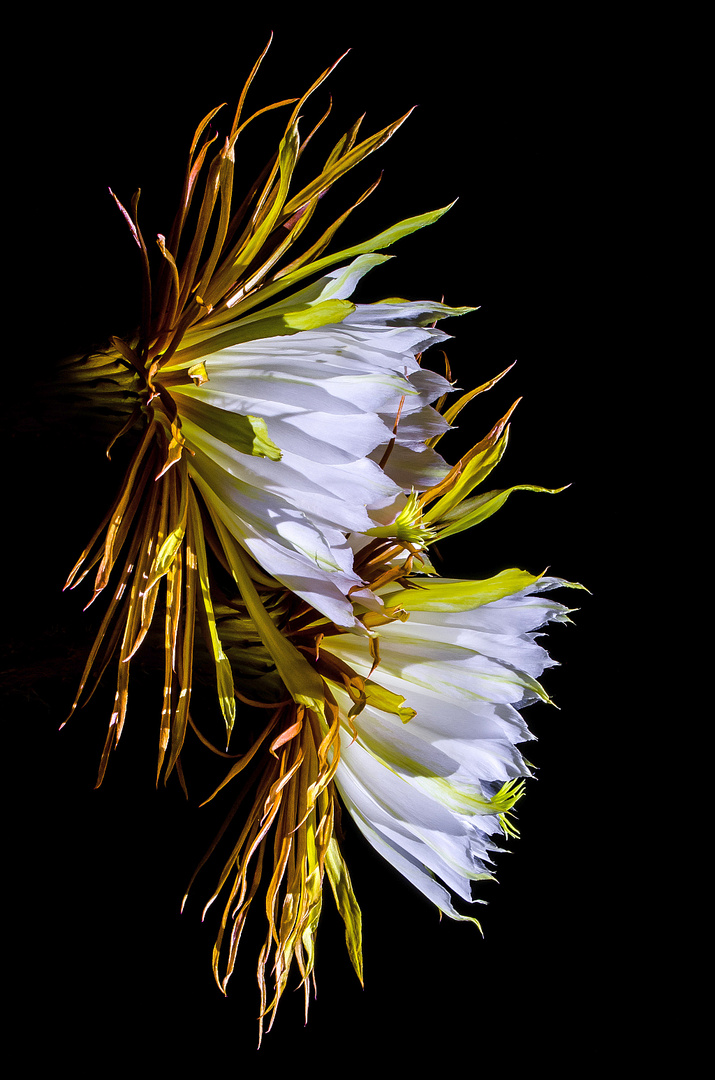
418 740
430 767
273 417
327 400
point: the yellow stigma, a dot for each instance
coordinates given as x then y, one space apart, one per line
408 526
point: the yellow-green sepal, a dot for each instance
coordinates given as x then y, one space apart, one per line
473 470
224 675
247 434
376 243
165 556
300 678
383 699
471 511
440 595
346 903
268 323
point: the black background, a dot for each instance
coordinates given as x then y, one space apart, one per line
516 119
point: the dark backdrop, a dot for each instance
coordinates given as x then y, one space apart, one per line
513 118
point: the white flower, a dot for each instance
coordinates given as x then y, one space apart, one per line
266 410
327 400
430 769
